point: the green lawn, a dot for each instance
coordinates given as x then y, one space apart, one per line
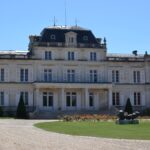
99 129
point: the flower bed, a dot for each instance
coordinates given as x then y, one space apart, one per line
88 117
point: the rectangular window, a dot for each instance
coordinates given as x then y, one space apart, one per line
71 99
47 99
47 75
136 76
91 99
1 98
25 97
23 75
115 76
93 56
2 74
71 75
71 56
116 98
48 55
137 98
93 76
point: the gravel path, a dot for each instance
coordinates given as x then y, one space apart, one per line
21 135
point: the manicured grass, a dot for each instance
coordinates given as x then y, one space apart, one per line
99 129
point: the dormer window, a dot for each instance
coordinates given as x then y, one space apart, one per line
53 37
71 39
85 38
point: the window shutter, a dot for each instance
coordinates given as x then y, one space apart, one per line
6 74
77 75
142 99
17 98
142 76
65 75
30 98
54 74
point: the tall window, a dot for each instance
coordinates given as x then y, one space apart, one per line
71 56
2 74
47 99
71 75
91 99
71 39
93 75
1 98
137 98
47 75
25 97
71 99
23 75
48 55
93 56
115 76
136 76
116 98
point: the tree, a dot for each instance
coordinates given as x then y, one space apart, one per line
128 107
21 109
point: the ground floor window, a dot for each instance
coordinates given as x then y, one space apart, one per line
71 99
91 99
137 98
116 98
47 99
25 97
1 98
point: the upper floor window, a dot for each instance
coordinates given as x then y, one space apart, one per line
136 76
71 75
53 37
115 98
47 75
48 55
2 74
23 75
93 76
115 76
71 39
93 56
25 97
137 98
71 56
1 98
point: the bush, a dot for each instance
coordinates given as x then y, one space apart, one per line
146 112
128 107
1 112
21 110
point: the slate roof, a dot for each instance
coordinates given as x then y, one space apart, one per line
60 32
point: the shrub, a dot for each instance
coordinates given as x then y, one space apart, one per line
1 112
21 109
146 112
128 107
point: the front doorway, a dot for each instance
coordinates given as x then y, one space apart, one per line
48 100
71 100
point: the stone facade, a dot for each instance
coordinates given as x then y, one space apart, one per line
67 68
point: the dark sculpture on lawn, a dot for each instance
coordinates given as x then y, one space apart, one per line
125 118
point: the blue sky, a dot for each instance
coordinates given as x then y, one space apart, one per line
124 23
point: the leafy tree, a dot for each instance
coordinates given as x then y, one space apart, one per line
21 109
1 112
128 107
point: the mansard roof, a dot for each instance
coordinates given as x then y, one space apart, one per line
60 31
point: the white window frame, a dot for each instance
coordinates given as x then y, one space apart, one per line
137 99
93 76
47 75
115 98
48 55
24 75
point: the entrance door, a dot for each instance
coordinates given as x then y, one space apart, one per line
71 100
48 100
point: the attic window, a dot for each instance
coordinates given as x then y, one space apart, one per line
53 37
85 38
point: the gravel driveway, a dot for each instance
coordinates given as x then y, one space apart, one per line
21 135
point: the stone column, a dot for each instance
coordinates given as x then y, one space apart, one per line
37 99
63 103
86 99
109 98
